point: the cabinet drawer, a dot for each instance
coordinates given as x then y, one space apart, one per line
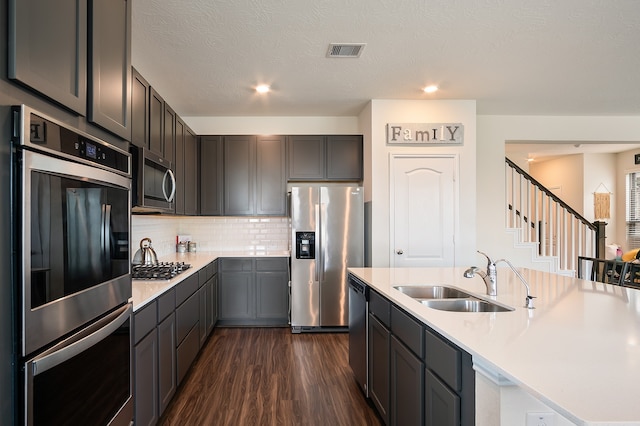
380 308
408 330
166 304
443 359
186 288
187 352
231 264
187 316
277 264
205 274
144 321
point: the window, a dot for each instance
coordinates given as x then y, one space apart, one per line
633 210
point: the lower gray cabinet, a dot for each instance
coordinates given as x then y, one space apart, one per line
379 351
253 291
145 353
441 404
407 385
167 381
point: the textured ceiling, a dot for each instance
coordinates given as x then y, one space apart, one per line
538 57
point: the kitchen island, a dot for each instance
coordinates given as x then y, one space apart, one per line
577 354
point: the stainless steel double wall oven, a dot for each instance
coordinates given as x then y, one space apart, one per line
71 237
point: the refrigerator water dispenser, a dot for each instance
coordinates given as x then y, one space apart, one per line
305 245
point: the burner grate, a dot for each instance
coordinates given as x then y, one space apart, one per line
160 271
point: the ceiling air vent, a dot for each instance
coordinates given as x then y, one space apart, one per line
345 50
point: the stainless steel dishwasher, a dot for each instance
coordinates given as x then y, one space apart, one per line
358 345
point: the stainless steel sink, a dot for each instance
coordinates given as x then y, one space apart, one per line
465 305
432 292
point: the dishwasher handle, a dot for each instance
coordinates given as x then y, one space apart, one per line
357 286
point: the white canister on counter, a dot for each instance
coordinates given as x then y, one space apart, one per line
192 246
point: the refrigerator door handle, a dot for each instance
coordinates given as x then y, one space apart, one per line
319 256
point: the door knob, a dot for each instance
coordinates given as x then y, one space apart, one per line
399 251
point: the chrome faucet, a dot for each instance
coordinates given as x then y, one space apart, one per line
528 302
490 277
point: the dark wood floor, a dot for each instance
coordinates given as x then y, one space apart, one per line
269 376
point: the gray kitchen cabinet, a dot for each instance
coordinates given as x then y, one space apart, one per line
187 325
109 66
145 354
167 380
156 123
379 342
211 175
191 172
253 291
325 158
169 133
140 92
186 169
48 49
271 179
416 376
407 386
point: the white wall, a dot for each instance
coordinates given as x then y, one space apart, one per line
564 177
383 112
492 133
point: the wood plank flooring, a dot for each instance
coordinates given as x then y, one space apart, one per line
269 376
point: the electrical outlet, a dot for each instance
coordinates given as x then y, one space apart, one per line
541 419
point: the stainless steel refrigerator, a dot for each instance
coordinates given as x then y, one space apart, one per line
327 234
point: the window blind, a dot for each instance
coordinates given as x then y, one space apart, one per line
633 210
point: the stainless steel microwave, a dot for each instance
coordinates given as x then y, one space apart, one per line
154 183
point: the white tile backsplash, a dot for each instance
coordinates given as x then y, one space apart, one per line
212 233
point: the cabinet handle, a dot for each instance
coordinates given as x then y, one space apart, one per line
399 251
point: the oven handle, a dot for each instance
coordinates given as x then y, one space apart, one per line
80 343
173 185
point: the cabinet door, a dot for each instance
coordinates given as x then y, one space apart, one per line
379 352
156 123
191 172
110 66
211 176
239 175
236 295
203 296
344 158
271 180
140 93
48 49
169 133
166 361
214 301
306 157
146 380
272 296
179 166
407 386
441 405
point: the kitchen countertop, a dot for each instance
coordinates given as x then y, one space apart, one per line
578 351
144 291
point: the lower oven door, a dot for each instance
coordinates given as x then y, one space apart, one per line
85 379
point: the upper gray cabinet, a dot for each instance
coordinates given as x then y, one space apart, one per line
109 103
325 158
48 49
140 92
211 175
76 53
271 189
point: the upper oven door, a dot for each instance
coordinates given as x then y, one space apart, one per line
75 263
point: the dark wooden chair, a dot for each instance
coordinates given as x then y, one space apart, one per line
633 276
614 272
590 268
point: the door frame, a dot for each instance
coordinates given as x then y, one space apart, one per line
456 200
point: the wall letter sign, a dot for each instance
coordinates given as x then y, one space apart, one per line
425 133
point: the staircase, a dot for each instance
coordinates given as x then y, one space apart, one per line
552 230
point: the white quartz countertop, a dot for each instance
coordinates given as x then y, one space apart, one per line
578 351
144 291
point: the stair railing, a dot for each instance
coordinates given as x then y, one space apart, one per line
543 218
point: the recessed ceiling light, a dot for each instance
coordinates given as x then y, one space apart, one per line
430 89
262 88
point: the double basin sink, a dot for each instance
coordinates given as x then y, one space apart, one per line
451 299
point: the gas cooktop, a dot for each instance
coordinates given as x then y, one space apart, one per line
160 271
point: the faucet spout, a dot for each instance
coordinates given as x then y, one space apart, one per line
490 277
528 303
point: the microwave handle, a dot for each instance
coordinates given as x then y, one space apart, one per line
173 185
80 344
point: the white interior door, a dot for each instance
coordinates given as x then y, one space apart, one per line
423 198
